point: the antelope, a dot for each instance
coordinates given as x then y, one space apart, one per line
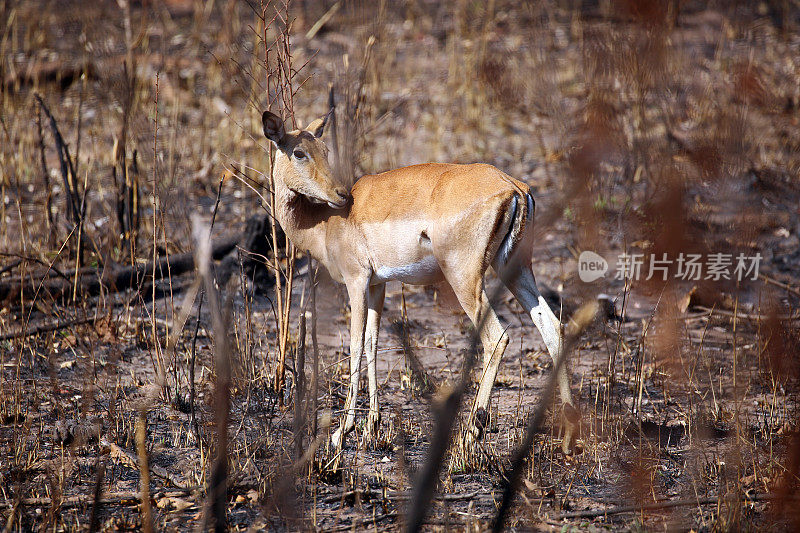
421 225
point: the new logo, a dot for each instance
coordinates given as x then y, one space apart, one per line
591 266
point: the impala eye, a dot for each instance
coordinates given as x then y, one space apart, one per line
299 154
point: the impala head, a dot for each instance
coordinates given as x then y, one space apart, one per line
302 161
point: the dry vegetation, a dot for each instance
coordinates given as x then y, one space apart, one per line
151 379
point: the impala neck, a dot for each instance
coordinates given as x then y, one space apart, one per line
303 222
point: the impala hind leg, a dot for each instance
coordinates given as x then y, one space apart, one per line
474 300
495 341
375 304
358 292
522 285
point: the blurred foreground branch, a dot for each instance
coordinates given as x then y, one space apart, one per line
580 320
217 498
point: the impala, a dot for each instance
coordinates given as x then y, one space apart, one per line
420 225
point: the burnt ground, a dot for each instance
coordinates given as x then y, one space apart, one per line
639 129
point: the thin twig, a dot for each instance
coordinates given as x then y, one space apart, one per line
300 385
45 171
314 347
94 519
323 20
67 166
780 284
144 473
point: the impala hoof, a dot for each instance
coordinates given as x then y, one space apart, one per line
468 440
476 425
337 439
474 429
481 421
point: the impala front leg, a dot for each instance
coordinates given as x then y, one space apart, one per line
375 302
358 317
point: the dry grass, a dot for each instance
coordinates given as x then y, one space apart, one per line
642 127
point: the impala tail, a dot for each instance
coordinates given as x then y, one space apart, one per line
516 243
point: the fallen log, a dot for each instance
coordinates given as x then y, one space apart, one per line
112 498
111 278
46 328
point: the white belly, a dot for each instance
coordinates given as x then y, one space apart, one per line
421 272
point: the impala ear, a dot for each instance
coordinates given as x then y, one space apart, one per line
273 127
317 127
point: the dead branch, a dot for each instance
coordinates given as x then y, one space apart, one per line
129 460
10 266
655 506
94 519
113 498
46 328
217 497
361 524
67 165
92 280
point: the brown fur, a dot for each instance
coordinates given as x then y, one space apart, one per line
419 224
